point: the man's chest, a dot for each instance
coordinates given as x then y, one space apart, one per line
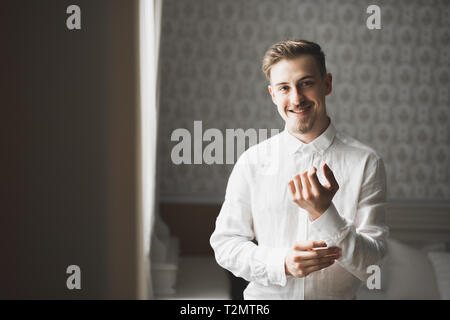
271 197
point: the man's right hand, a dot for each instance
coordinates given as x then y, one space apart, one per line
309 256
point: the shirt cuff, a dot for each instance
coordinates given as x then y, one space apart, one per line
276 270
273 259
330 225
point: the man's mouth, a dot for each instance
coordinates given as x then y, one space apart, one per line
300 111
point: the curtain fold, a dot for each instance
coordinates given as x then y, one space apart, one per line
149 40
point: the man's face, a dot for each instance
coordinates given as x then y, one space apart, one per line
299 90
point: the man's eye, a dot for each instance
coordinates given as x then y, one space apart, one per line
285 88
306 84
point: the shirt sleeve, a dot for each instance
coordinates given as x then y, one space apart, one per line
232 239
363 241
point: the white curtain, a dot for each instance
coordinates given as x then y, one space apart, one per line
149 39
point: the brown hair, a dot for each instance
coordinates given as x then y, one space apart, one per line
290 49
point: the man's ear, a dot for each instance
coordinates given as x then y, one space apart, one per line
328 83
272 94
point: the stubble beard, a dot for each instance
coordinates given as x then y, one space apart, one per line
302 126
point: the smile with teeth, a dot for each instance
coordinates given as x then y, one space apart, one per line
300 110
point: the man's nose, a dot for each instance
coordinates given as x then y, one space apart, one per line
297 97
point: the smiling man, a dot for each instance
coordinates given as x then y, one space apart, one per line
309 227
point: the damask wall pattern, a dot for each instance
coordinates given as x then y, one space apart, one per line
390 86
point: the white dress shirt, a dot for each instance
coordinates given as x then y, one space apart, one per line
258 222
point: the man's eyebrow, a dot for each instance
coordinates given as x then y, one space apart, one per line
303 78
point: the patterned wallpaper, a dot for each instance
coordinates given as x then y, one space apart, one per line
391 86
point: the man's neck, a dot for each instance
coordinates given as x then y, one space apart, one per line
314 133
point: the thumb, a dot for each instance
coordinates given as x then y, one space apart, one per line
332 184
308 245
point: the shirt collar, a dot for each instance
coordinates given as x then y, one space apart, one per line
320 144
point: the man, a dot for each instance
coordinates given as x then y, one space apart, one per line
308 227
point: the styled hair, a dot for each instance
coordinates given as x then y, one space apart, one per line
291 49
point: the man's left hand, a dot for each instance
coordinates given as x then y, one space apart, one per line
308 193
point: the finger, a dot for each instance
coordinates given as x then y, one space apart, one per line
308 270
291 186
306 187
311 255
308 245
335 255
332 183
327 250
319 244
298 186
315 253
304 264
314 181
